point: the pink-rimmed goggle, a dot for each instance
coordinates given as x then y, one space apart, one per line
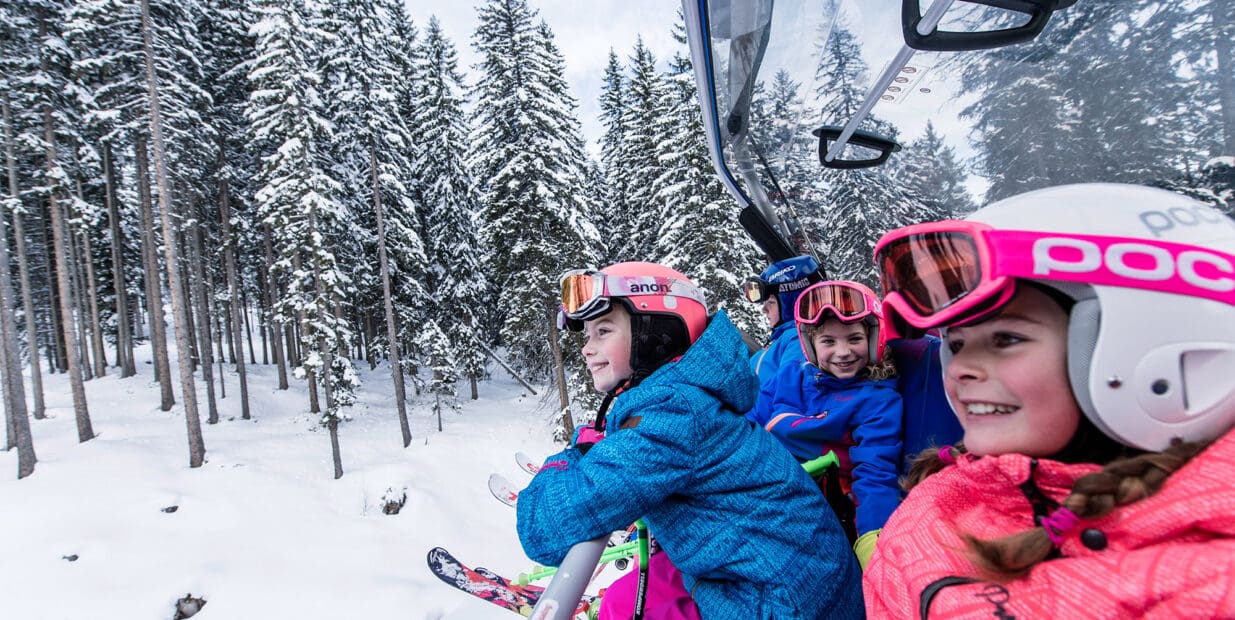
949 272
848 301
586 293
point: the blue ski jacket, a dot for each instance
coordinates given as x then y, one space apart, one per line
730 506
782 348
929 420
812 412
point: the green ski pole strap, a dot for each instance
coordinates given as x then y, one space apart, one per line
618 552
817 465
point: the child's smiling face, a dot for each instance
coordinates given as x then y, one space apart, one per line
607 350
841 350
1008 379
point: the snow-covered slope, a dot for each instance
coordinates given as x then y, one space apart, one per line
262 530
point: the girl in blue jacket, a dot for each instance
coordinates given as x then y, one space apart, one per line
731 508
842 399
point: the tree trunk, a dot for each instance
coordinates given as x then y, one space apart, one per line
1223 32
245 314
216 321
56 350
197 445
63 274
276 337
233 292
96 330
182 269
79 299
204 344
396 366
559 369
154 283
18 422
335 454
32 330
327 353
124 336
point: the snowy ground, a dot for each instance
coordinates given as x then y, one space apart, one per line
262 530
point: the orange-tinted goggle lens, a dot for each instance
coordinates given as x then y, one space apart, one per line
847 302
753 289
931 271
577 290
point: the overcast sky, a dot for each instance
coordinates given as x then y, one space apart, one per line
583 31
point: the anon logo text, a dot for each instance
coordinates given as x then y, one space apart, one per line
1130 260
649 288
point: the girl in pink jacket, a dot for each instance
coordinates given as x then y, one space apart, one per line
1089 355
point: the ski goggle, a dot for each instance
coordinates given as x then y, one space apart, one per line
756 290
952 272
586 293
844 300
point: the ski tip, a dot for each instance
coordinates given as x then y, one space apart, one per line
527 463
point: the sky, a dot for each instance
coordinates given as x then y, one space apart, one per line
120 527
584 31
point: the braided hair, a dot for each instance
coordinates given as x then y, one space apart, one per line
1121 482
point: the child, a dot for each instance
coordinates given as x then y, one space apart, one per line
1090 338
728 506
777 289
842 399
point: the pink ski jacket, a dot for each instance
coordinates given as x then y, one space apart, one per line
1169 556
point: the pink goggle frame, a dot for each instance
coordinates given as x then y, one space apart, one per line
948 272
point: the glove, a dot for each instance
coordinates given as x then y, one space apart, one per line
864 546
586 437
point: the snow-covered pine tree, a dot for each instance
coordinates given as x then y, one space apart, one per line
613 191
633 233
109 58
48 80
1073 81
18 54
859 205
528 156
438 355
455 280
14 44
929 170
700 236
230 49
374 152
297 196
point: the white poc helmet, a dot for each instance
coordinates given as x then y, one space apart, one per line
1145 365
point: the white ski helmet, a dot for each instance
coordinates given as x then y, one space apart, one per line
1145 365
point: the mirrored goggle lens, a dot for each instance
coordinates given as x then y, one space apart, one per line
846 302
931 271
577 291
753 289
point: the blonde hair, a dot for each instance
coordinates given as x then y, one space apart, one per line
1121 482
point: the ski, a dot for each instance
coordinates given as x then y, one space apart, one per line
489 586
504 490
527 463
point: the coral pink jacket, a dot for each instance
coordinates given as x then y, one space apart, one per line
1169 556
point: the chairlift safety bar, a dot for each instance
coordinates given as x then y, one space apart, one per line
930 20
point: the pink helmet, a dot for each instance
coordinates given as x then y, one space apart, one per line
668 312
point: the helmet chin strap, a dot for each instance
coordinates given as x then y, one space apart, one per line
634 379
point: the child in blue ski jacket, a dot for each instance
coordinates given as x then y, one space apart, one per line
731 508
842 399
777 289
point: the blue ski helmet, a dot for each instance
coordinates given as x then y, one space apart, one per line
789 278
